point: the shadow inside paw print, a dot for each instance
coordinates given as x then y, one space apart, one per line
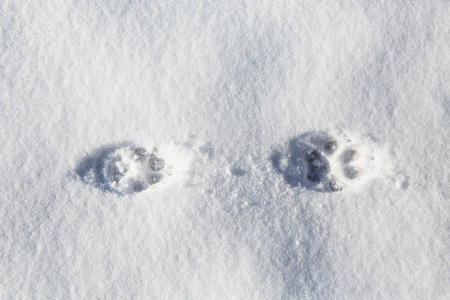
91 168
122 169
304 161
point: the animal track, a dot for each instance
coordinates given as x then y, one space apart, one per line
124 170
131 169
319 161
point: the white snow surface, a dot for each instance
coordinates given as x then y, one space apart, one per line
217 86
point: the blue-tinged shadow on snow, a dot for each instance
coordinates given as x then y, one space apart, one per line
305 266
301 161
91 168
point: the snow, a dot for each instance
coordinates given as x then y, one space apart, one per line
217 87
319 161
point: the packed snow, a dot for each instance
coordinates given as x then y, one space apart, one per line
129 169
318 161
224 149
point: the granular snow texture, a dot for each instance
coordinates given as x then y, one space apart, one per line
218 87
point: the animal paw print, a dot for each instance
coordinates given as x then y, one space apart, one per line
319 161
133 169
125 170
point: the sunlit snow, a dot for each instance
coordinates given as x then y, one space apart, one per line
224 149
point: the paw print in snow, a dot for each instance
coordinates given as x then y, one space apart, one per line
319 161
131 170
125 169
